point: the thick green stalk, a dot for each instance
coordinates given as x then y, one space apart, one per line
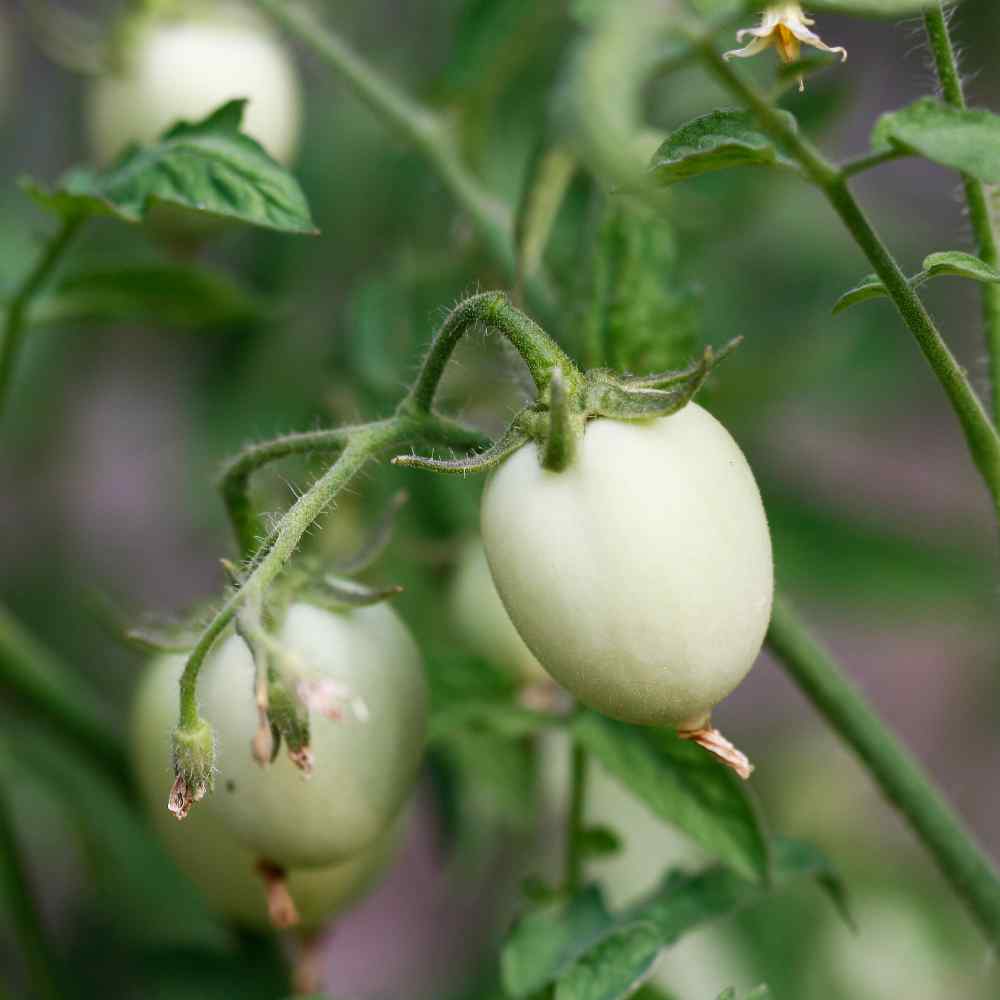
980 433
980 216
897 773
575 819
492 310
24 914
15 325
40 680
428 132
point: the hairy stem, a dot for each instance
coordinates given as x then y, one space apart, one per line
426 131
574 820
897 773
15 325
365 442
23 911
980 433
976 197
52 689
492 310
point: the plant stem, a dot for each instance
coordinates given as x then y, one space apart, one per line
25 917
15 325
428 132
857 166
57 693
574 820
980 433
491 309
976 198
900 777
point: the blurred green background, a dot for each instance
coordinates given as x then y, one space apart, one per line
881 528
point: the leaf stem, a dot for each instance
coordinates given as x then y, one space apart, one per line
862 163
976 197
428 132
980 433
25 917
892 766
15 325
575 818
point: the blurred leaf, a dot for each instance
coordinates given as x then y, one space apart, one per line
728 994
682 785
548 939
599 842
499 717
799 857
869 287
613 966
208 166
639 317
954 137
886 9
959 265
759 993
947 263
716 141
173 295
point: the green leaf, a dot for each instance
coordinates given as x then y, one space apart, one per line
613 966
871 8
947 263
682 785
208 166
793 858
959 265
758 993
955 137
869 287
716 141
728 994
545 942
172 295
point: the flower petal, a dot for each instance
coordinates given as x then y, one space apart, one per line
757 45
811 38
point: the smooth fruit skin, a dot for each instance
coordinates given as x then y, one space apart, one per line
183 68
364 770
482 620
641 576
203 847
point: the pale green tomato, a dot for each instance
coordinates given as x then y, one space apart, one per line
177 68
641 576
482 620
206 851
366 762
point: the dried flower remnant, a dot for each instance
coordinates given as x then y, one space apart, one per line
786 27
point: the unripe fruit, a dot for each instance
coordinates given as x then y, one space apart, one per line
183 67
365 763
206 851
482 620
640 576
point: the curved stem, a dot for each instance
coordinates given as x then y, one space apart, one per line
980 433
897 773
976 197
24 913
491 309
422 128
869 160
15 325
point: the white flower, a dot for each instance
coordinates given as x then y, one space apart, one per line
784 26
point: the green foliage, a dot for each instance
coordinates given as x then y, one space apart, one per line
954 137
683 786
638 315
208 167
888 9
716 141
947 263
171 295
759 993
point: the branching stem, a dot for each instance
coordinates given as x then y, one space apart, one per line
976 198
15 325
